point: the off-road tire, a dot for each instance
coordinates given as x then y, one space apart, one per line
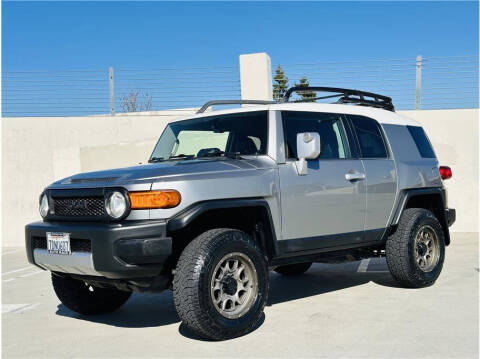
193 279
293 269
83 299
400 249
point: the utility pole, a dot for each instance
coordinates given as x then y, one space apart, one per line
112 94
418 84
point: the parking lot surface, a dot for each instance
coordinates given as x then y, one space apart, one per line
346 310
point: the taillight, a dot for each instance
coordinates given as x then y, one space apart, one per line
445 172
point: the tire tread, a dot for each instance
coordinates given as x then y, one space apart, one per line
398 252
186 278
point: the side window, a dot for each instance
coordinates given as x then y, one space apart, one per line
333 139
370 137
422 142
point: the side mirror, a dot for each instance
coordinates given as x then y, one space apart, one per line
308 148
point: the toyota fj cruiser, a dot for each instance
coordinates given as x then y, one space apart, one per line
228 195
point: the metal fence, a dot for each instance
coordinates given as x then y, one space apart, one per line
425 83
413 83
110 91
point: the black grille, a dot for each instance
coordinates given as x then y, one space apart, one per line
80 245
76 245
79 206
39 242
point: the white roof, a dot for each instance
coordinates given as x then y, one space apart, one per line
382 116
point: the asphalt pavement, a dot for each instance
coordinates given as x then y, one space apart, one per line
349 310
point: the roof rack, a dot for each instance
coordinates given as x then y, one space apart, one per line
344 95
234 102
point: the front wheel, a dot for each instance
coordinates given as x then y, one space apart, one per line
220 284
416 251
86 299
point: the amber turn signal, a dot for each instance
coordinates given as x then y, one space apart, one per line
154 199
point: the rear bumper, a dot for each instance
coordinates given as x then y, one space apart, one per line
450 215
131 249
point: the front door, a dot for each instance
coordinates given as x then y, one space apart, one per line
326 207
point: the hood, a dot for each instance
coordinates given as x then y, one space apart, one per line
154 171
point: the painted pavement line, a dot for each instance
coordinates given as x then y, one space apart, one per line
30 274
363 266
18 308
23 276
15 251
17 270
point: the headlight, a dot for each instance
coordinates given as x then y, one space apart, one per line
44 208
116 204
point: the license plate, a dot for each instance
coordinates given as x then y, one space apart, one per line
58 243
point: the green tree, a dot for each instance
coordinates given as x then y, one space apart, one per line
308 96
281 83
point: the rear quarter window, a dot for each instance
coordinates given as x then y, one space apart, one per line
421 140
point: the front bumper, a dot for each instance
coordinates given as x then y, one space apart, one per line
131 249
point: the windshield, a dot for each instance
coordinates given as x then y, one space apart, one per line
242 133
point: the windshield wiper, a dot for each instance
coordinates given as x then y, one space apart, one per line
232 155
156 159
173 158
181 157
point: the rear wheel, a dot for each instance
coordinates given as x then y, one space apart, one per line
86 299
416 251
220 284
294 269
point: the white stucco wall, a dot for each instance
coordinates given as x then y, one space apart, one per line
256 76
455 138
37 151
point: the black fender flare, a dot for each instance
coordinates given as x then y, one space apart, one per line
407 194
189 214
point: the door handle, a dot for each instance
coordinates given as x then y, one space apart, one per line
355 176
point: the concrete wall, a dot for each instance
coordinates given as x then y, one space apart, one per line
455 138
37 151
256 76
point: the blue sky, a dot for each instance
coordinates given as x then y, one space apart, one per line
64 35
151 35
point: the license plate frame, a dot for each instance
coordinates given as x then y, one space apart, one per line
58 243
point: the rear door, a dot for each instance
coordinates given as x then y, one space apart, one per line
381 174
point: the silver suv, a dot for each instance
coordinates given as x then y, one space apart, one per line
228 195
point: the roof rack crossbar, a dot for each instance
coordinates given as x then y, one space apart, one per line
379 101
370 103
318 98
345 96
234 102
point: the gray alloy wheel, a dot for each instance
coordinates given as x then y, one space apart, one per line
427 248
234 285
